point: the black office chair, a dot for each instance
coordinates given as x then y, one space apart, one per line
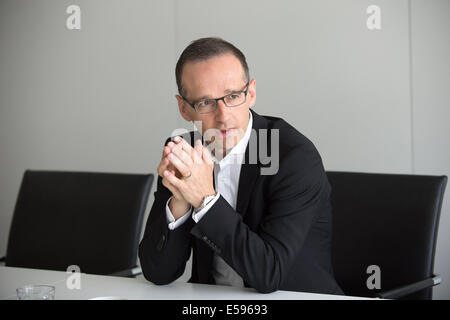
390 221
92 220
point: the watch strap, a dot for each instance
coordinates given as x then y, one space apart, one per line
205 202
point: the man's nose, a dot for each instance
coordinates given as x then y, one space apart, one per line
222 111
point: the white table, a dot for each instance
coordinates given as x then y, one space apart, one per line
94 286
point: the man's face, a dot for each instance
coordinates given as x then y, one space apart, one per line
215 78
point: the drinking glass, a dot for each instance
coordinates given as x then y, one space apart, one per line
36 292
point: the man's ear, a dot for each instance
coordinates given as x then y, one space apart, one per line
252 92
182 108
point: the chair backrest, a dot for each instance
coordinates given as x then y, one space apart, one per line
387 220
92 220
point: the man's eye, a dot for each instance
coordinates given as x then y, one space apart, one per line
204 103
233 96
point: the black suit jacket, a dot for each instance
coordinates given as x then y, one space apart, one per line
279 236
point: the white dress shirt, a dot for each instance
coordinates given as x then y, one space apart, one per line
226 178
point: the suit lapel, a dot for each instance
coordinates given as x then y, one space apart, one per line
250 171
247 179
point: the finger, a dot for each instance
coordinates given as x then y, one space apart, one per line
166 183
163 165
166 150
207 156
166 165
169 147
197 154
178 164
180 153
198 146
177 183
184 144
171 188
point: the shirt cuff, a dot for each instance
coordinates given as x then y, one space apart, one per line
197 216
171 220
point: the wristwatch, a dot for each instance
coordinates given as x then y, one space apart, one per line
205 202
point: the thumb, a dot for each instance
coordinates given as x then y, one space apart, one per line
198 146
197 152
207 156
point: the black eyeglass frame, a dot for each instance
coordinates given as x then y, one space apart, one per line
221 98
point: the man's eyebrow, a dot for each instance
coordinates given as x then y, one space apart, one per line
207 96
203 97
231 91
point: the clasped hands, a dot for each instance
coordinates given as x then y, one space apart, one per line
188 173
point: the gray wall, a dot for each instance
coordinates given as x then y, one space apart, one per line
102 98
430 102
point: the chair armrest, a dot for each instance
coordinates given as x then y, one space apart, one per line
410 288
130 273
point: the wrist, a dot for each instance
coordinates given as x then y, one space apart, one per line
178 207
204 200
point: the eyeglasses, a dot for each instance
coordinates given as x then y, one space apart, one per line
210 105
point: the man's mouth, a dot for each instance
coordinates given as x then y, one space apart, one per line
225 132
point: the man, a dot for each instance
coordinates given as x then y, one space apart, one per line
245 227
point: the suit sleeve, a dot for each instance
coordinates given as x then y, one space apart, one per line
263 258
163 253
